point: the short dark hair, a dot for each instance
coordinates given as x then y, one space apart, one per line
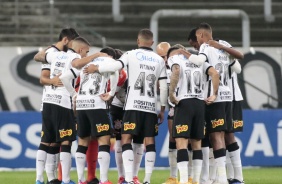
205 26
70 33
192 35
147 34
81 40
119 53
172 49
110 51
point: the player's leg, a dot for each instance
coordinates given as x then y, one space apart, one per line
216 128
138 150
172 151
129 127
66 133
205 166
101 129
117 115
150 130
51 164
231 143
91 159
190 165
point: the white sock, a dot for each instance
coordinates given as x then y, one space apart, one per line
237 164
229 166
57 160
205 165
212 174
197 168
172 155
190 165
183 171
128 158
80 159
50 166
65 159
138 150
221 170
40 163
118 157
104 162
150 158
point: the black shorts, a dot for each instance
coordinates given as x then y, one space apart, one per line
189 119
237 117
93 122
170 114
219 117
57 124
139 123
117 115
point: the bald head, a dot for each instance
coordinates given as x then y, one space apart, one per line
162 48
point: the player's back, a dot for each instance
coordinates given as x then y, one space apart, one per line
144 68
60 63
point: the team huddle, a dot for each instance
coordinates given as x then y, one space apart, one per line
111 93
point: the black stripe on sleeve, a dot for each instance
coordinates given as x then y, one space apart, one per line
46 57
45 69
121 63
73 73
209 89
173 65
207 70
161 78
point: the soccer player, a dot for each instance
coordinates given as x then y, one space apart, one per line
117 112
144 68
161 50
218 116
57 105
93 120
237 119
187 79
48 153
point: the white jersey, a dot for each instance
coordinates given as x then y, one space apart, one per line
235 89
168 72
191 77
144 68
119 98
92 86
47 66
60 63
220 60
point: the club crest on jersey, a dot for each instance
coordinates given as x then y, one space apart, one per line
102 128
64 133
143 57
129 126
216 123
181 128
238 123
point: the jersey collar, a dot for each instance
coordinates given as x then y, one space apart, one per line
54 46
146 48
70 49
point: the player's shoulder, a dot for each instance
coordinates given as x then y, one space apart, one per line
225 43
53 48
203 47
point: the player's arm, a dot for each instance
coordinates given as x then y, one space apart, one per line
40 56
236 66
66 80
114 77
215 83
174 78
79 63
233 52
45 79
109 67
162 81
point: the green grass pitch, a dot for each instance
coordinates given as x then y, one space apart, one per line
251 176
